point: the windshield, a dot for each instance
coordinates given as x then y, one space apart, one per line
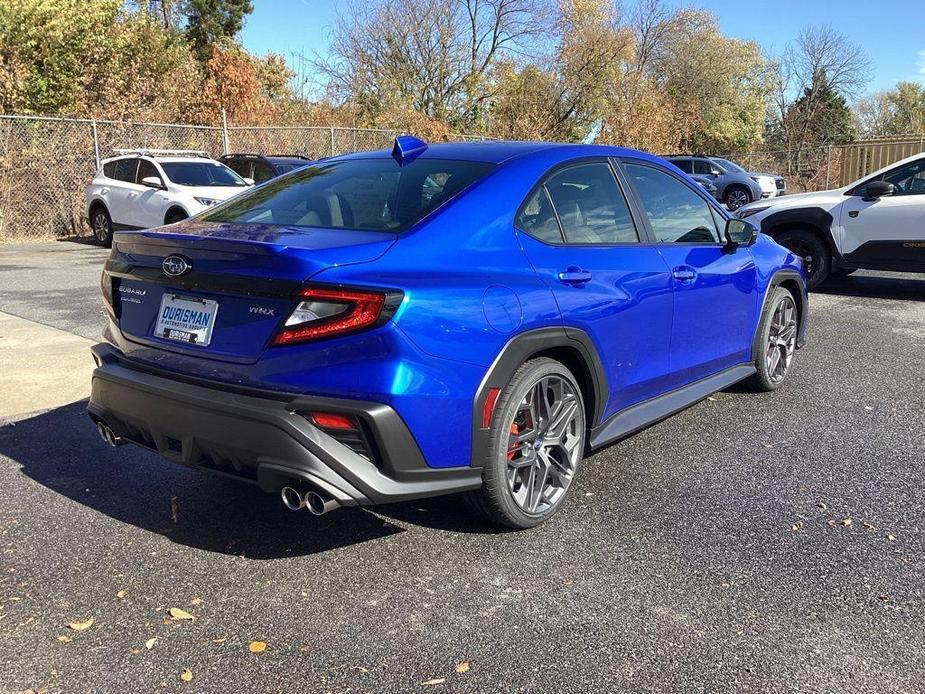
729 165
365 194
201 173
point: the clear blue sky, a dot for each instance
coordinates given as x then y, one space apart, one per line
892 33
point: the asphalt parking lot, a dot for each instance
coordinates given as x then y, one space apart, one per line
751 543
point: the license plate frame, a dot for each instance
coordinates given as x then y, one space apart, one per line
194 328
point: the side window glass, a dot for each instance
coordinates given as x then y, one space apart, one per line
590 205
242 167
908 179
125 170
146 169
677 214
109 170
684 165
702 167
262 172
538 219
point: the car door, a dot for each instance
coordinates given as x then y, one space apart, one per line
714 286
607 279
117 198
151 203
889 232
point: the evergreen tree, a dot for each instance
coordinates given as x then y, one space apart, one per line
208 21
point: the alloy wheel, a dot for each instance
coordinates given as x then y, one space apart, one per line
101 227
736 198
782 339
545 445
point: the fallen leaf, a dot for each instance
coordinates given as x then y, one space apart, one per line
219 640
64 639
177 613
869 526
830 523
149 644
436 680
711 398
196 601
822 506
135 651
82 626
883 598
891 537
462 667
868 408
797 526
186 675
174 509
121 594
847 522
257 646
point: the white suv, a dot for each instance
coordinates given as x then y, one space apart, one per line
148 188
875 223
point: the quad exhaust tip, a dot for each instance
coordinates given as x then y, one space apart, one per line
108 435
295 499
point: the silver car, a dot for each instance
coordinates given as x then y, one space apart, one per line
734 185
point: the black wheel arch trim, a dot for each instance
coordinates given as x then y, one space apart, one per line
777 279
518 350
814 217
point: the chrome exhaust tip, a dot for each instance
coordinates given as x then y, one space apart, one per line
318 505
108 435
292 498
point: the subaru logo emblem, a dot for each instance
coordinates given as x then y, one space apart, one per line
176 265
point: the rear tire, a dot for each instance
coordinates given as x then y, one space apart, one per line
817 260
777 342
538 436
101 223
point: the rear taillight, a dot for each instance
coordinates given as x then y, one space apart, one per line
324 313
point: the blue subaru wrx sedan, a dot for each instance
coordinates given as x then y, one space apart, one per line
450 318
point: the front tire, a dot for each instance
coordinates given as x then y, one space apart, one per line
817 261
175 215
538 436
101 223
777 340
736 196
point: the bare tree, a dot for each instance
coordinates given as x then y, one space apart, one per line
434 54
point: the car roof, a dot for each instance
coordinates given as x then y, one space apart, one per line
162 159
500 151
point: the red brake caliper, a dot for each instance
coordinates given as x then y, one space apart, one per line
512 447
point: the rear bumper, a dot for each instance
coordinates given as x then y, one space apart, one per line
258 437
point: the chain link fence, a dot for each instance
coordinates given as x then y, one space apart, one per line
45 163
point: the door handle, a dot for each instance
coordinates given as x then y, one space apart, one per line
574 275
133 195
684 274
104 191
853 213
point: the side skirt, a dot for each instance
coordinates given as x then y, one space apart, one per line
644 414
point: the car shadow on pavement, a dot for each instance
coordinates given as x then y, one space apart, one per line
61 450
871 287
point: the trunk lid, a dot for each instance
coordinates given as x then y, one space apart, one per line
243 276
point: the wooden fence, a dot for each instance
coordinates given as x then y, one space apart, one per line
866 156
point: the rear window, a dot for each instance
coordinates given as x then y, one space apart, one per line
364 194
201 173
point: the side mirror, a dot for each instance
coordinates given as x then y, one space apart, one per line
715 171
878 189
740 233
249 181
152 182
